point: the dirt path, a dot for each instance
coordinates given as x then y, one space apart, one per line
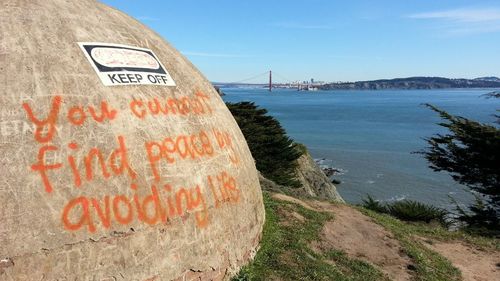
475 265
359 237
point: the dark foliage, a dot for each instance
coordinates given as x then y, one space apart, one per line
481 218
371 204
470 152
274 152
407 210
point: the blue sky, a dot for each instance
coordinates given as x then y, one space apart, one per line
231 40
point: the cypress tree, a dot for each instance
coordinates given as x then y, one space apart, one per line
274 152
470 153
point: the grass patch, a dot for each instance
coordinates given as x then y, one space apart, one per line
355 269
429 231
285 252
429 265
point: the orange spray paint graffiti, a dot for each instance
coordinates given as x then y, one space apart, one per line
117 164
160 203
158 207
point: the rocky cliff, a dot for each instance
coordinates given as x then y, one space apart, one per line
313 181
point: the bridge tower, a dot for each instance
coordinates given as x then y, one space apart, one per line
270 81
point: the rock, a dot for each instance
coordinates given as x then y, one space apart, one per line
336 181
313 179
271 186
148 180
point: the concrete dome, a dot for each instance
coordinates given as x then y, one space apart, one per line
119 159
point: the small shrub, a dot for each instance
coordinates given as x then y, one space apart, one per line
480 219
371 204
300 147
407 210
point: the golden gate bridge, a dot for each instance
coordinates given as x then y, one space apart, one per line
265 80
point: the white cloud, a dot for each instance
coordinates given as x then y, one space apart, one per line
464 20
462 15
214 55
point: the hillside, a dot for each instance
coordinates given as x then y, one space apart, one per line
309 239
416 83
311 234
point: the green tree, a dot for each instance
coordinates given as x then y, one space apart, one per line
274 152
470 153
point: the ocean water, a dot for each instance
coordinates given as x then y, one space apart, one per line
371 136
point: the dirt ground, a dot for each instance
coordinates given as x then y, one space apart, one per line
475 265
359 237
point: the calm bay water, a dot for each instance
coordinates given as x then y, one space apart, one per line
372 134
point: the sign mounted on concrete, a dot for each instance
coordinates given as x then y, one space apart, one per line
125 65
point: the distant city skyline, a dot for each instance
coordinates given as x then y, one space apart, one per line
328 40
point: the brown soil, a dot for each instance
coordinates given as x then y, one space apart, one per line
291 199
359 237
475 265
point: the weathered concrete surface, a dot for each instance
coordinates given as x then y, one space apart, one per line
87 194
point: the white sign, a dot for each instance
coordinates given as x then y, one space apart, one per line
125 65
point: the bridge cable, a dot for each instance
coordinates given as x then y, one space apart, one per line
253 77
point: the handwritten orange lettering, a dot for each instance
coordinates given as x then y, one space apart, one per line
226 189
42 168
95 152
76 115
104 216
134 105
106 113
85 217
121 153
150 209
116 209
197 104
49 123
225 142
194 146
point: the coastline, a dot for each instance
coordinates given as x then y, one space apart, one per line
372 134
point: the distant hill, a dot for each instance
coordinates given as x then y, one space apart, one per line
489 78
416 83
